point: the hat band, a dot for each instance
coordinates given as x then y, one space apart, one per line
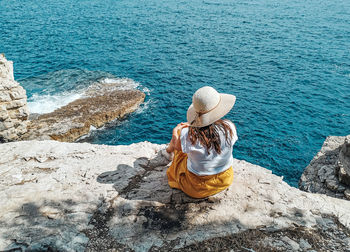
199 114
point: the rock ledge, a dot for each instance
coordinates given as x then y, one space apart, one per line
75 197
329 171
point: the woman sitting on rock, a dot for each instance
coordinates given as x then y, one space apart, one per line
202 147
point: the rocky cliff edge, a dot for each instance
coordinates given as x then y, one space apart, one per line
329 171
76 197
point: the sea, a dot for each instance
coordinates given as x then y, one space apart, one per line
287 62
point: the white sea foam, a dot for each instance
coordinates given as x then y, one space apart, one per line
109 80
144 107
47 103
121 83
146 90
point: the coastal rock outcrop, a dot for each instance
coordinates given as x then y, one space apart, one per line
79 196
329 170
101 104
13 104
76 119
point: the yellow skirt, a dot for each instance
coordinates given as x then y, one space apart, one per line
193 185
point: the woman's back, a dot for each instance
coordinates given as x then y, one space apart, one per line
202 161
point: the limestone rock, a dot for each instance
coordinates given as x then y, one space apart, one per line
5 97
344 162
78 196
100 105
13 104
16 103
329 170
3 115
6 69
18 93
74 120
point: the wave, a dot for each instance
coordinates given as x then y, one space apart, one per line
144 106
41 104
125 84
47 98
111 84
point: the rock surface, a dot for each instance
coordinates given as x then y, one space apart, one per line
102 103
75 197
74 120
13 104
343 164
329 170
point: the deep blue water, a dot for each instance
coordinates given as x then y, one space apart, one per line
288 63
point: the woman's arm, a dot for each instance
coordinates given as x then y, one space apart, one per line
175 143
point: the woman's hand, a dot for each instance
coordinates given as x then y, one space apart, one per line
180 126
175 143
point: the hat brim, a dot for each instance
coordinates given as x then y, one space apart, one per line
225 105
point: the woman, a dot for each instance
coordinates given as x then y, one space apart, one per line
202 147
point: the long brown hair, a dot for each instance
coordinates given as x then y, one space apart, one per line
209 136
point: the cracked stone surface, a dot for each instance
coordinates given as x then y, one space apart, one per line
329 171
13 104
79 196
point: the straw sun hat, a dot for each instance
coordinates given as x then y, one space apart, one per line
208 106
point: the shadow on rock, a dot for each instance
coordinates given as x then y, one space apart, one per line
164 218
139 182
46 226
147 195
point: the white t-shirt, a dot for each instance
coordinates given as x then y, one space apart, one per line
199 162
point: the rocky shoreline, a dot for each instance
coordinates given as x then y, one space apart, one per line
102 103
76 119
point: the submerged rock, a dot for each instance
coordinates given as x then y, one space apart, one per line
78 196
329 170
13 104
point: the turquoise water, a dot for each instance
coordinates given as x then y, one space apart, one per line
288 63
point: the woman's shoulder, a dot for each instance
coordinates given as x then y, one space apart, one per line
231 124
184 131
234 131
